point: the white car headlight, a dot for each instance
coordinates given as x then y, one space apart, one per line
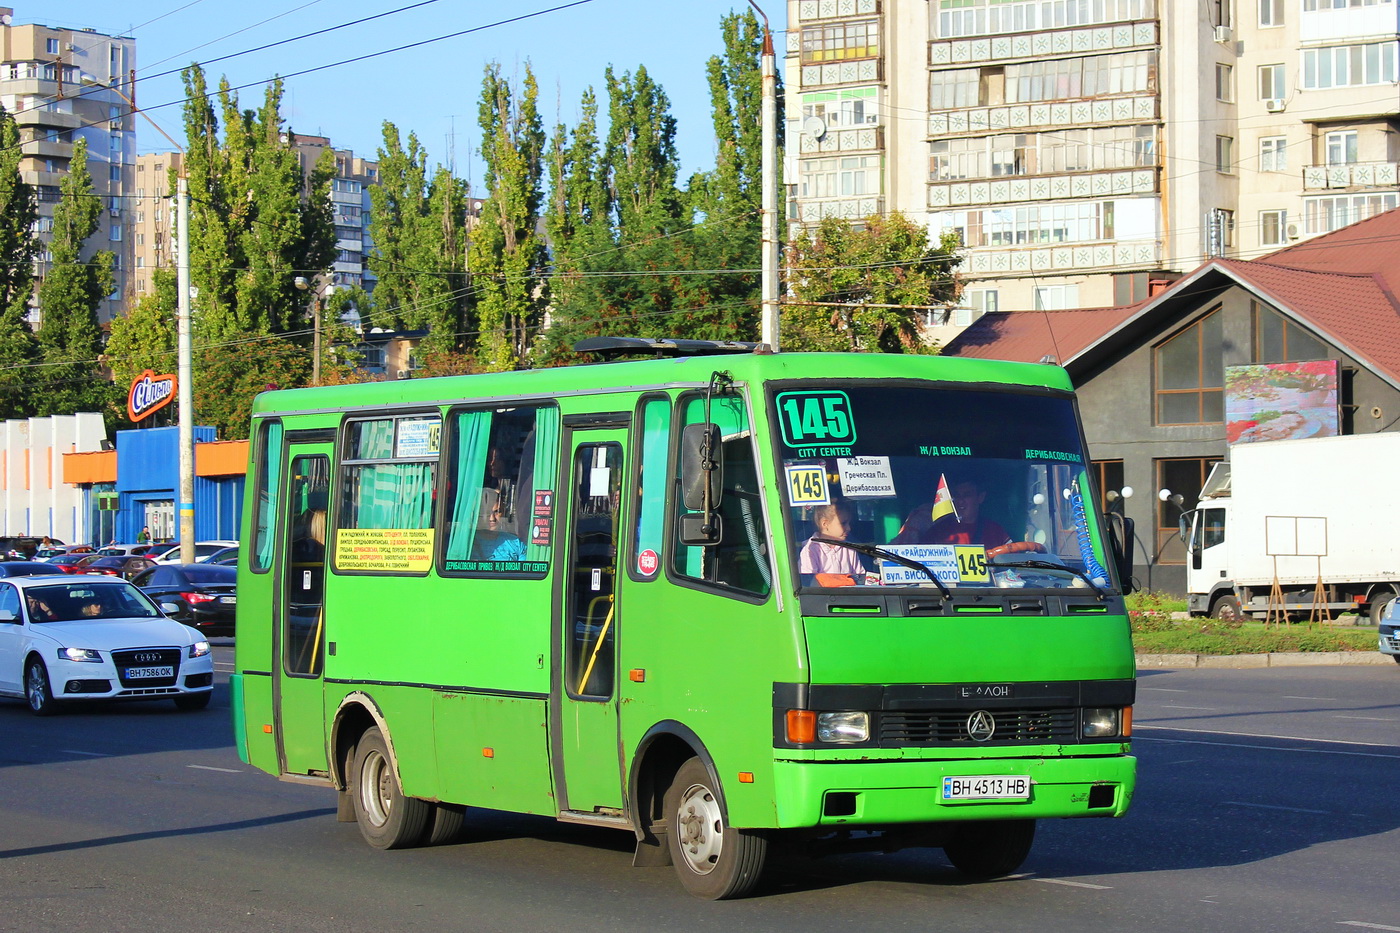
80 654
843 727
199 649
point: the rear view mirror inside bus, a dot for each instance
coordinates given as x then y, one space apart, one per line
702 478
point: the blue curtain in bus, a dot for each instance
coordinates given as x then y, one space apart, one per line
267 494
546 470
473 436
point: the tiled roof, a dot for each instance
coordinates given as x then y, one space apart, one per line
1343 284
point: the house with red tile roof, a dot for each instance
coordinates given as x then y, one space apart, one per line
1150 376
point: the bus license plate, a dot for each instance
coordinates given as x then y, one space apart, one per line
138 673
987 787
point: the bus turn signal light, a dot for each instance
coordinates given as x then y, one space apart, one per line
801 726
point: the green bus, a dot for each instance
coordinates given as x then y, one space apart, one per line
713 598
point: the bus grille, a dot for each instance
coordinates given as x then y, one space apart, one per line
949 727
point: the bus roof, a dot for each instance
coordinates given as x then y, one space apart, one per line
752 368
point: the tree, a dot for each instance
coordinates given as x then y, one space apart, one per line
507 256
145 337
19 247
69 296
865 287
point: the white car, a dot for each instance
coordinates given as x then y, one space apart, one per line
96 638
202 549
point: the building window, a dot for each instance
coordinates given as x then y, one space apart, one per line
1341 147
1109 476
1273 154
1271 82
840 42
1271 12
1325 5
954 90
1056 297
1349 65
984 17
1278 340
1273 228
1033 224
1225 154
848 176
844 108
1076 78
1188 370
1224 83
972 304
114 233
1324 215
1185 478
51 46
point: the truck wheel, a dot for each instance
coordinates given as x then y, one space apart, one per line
1227 609
713 860
388 819
992 848
1379 605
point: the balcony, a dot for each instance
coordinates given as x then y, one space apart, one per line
944 195
858 71
1351 175
852 209
808 10
1076 113
1078 257
1040 45
856 139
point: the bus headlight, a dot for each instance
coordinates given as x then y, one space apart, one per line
843 727
1100 723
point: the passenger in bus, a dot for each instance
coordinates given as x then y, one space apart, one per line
960 525
828 564
310 544
491 543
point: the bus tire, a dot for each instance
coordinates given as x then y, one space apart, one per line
713 860
992 848
445 824
387 819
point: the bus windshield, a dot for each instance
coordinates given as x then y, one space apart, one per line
891 485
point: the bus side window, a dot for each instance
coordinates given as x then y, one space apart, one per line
740 560
269 465
653 448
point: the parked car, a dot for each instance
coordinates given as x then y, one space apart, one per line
62 550
205 594
92 638
202 549
125 567
69 563
122 550
23 547
1389 630
27 568
228 555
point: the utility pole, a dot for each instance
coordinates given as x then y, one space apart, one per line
769 183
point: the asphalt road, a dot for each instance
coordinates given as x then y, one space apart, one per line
1266 802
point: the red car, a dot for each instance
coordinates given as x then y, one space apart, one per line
72 563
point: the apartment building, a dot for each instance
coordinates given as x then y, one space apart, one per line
152 218
1089 151
56 82
350 202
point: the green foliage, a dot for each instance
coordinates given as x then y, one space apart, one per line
867 286
145 337
18 249
1154 634
232 374
70 337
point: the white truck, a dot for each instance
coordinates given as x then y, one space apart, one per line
1297 525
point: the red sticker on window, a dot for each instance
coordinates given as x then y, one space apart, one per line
648 563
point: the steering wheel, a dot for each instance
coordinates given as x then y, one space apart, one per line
1015 547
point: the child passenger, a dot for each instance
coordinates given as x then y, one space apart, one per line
830 564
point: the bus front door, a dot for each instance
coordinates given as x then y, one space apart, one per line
586 747
299 662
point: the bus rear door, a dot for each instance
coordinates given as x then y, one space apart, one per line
299 616
586 745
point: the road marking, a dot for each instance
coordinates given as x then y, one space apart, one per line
1265 806
1329 699
1369 926
1270 748
1206 708
1074 884
1163 689
208 768
74 751
1368 718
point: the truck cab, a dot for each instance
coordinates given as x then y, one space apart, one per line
1209 589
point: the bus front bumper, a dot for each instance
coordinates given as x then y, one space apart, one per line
870 793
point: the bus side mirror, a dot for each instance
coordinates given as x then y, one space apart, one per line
1120 540
702 484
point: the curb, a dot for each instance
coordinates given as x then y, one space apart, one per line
1277 659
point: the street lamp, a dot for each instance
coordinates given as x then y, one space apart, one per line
184 389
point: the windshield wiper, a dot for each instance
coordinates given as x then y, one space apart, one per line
870 550
1046 565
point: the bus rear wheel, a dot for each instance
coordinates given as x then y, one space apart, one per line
387 819
713 860
990 849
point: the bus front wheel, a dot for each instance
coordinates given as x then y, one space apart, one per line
714 860
990 849
387 819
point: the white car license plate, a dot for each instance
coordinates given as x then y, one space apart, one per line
138 673
987 787
228 600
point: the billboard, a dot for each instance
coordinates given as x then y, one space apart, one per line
1281 401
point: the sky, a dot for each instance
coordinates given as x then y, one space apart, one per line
432 89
